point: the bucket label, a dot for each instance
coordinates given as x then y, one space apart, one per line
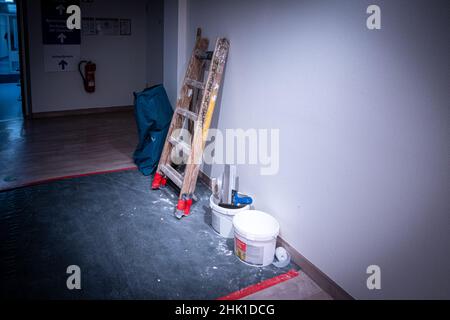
255 255
241 249
250 254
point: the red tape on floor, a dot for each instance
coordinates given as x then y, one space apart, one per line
261 286
45 181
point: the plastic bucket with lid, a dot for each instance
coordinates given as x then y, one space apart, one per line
222 219
255 238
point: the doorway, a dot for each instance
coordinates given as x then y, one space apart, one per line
10 71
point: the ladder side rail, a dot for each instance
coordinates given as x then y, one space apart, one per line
211 92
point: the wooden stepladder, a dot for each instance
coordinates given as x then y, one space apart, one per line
183 151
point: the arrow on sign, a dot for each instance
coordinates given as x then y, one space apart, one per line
61 9
62 37
63 64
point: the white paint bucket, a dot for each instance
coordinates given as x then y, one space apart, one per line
222 219
255 238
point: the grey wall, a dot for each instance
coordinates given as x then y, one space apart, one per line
171 49
363 115
155 42
124 63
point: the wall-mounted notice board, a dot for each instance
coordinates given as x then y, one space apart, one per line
106 27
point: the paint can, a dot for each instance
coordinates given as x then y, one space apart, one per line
255 237
222 218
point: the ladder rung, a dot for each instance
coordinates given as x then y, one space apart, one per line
208 55
176 142
195 84
173 175
186 113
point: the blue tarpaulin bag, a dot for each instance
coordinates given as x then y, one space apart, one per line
153 117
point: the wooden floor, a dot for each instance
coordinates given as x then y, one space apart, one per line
44 149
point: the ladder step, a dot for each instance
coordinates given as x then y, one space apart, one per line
195 84
173 175
187 114
208 55
176 142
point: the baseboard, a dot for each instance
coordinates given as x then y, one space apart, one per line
320 278
79 112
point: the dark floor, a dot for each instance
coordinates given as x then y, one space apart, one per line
124 238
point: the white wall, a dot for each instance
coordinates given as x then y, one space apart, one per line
363 116
123 62
176 44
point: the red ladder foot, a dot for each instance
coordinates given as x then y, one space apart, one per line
183 207
158 181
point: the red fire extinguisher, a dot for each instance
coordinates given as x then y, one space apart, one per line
88 75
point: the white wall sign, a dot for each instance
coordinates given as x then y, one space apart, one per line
61 44
61 58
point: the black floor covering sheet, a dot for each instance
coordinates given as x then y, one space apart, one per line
124 238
